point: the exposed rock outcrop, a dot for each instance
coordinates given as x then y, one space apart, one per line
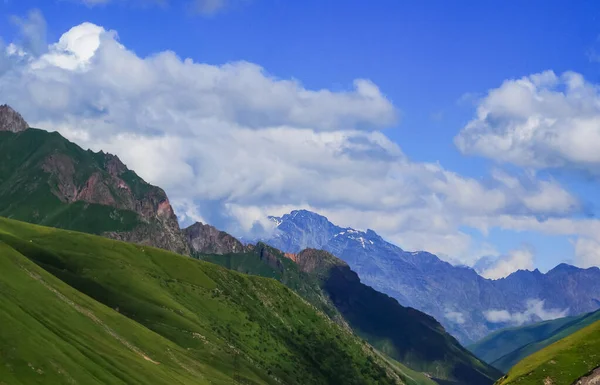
591 379
11 120
205 239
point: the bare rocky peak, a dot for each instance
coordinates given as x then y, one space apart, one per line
11 120
113 165
205 239
312 260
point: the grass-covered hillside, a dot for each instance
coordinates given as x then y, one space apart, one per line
77 308
562 363
404 334
504 348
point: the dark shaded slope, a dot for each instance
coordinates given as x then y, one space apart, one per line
405 334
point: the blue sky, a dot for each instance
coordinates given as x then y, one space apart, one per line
433 61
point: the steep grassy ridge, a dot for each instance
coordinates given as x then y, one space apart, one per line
504 348
561 363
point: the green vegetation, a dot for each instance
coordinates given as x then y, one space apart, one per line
563 362
77 308
404 334
504 348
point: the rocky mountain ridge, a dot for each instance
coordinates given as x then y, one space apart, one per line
455 295
11 120
206 239
46 179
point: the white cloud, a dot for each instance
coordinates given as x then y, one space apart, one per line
32 31
587 252
455 317
520 259
539 121
534 312
232 143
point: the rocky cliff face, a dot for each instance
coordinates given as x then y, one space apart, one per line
46 179
456 296
11 120
205 239
315 261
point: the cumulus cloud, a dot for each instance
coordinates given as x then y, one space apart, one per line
233 143
539 121
587 252
520 259
534 312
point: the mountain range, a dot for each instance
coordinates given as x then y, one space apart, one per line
47 180
466 304
358 309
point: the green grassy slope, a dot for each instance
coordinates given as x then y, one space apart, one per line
504 348
266 261
404 334
200 322
52 334
563 362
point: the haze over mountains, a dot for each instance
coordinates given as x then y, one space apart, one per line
468 305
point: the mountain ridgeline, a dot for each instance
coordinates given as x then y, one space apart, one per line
572 360
47 180
456 296
505 348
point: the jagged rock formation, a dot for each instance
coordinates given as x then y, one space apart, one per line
11 120
205 239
